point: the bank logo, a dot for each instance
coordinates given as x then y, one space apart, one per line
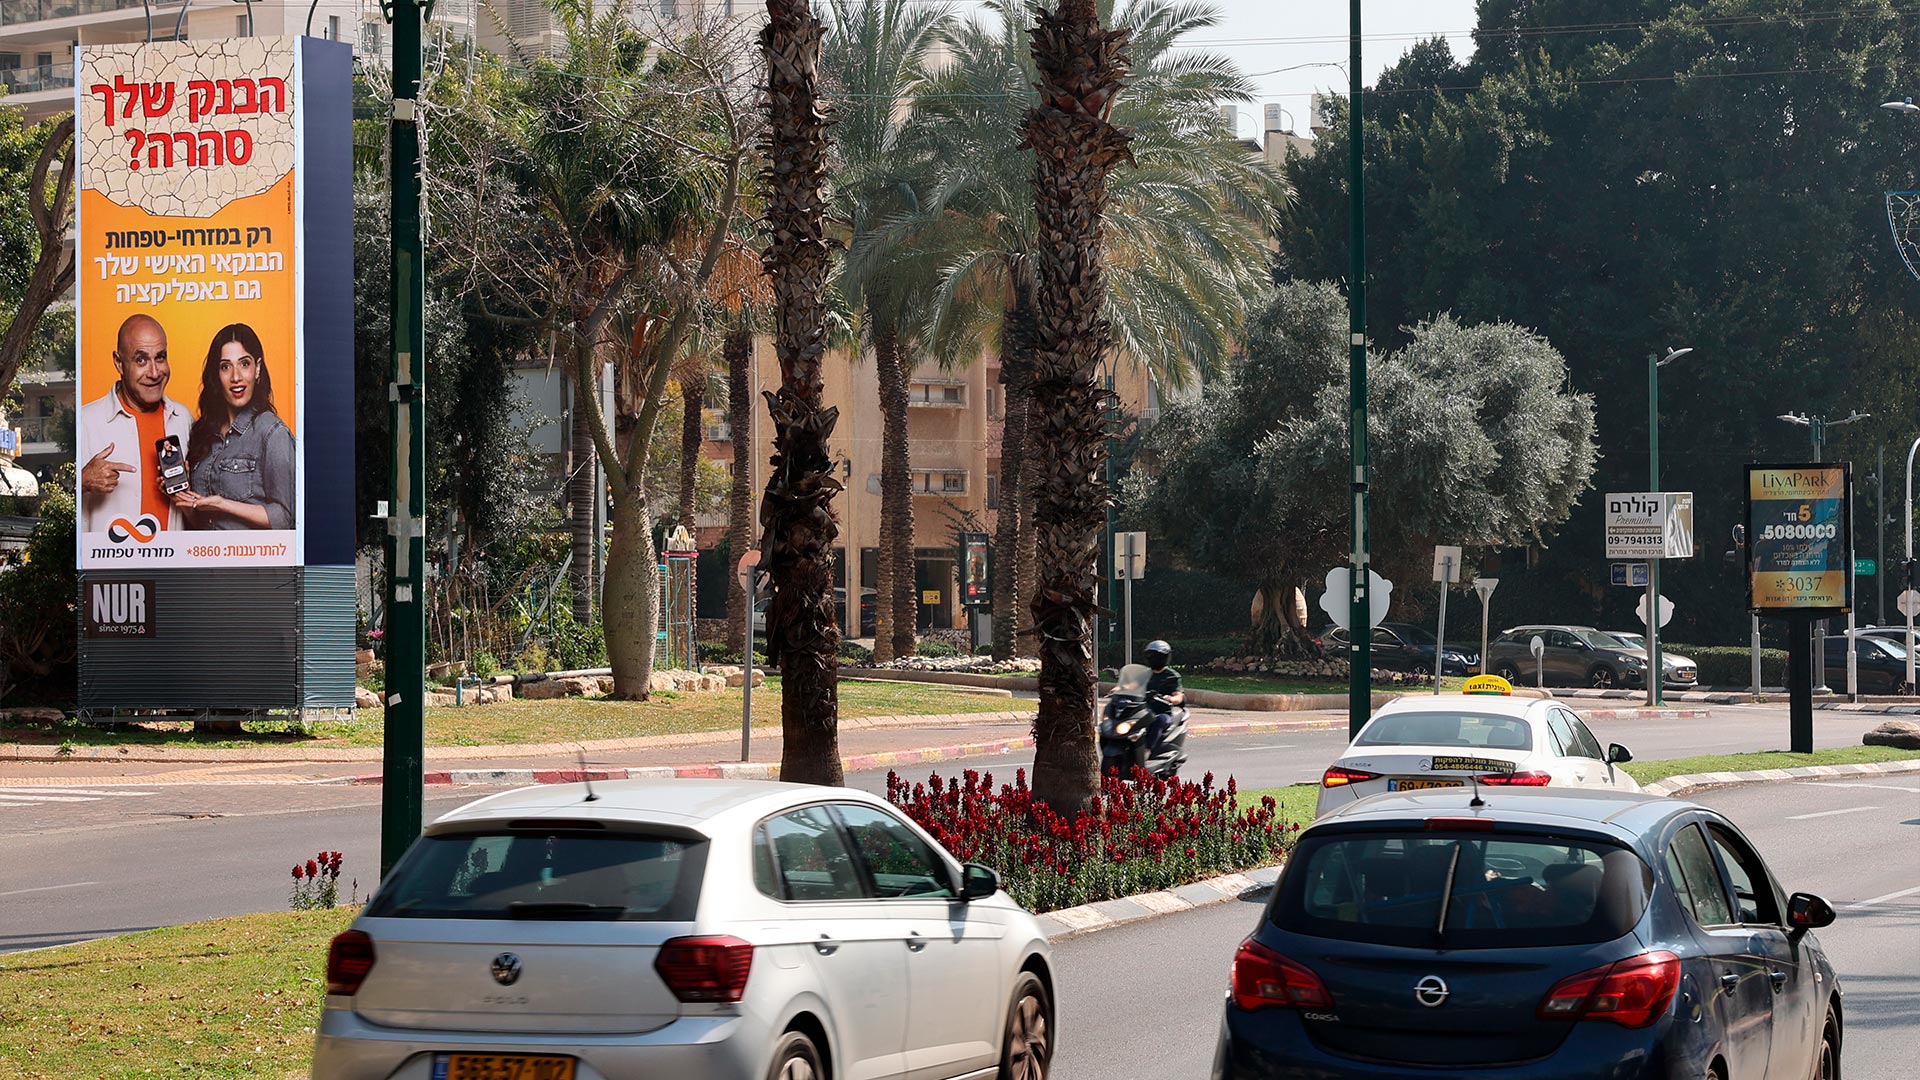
141 530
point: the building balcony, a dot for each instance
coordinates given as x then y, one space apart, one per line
39 79
937 395
19 12
36 435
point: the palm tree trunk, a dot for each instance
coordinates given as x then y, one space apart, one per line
883 614
582 486
796 514
1015 569
896 486
738 349
692 432
1076 146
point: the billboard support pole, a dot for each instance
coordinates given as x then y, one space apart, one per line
1800 683
404 753
1359 604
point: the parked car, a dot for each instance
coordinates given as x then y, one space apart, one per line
1882 663
1562 935
1578 656
869 611
1682 672
1400 647
1896 634
733 930
1425 741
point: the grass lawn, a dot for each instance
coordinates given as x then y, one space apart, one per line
1296 801
512 722
1648 771
232 998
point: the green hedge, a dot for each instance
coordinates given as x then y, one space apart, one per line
1721 665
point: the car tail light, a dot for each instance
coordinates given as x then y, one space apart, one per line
1632 993
1263 979
1459 824
1335 776
1516 779
713 968
349 959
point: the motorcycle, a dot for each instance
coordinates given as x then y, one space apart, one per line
1124 724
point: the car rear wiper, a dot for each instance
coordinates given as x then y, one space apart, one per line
548 909
1446 892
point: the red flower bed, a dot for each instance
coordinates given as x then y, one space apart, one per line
1136 836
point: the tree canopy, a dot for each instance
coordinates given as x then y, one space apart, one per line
1476 441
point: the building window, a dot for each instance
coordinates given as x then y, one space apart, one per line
333 28
993 403
669 8
944 395
993 493
717 425
243 26
47 405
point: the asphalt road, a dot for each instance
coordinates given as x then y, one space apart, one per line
1144 1000
97 860
1275 759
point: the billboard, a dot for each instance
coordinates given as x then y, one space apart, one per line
976 570
1649 525
1800 545
191 366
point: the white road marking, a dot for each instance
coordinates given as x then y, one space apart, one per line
21 800
1884 899
1877 787
1831 813
7 790
1263 746
50 888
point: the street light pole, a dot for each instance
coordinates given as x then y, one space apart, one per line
404 754
1359 604
1915 448
1656 670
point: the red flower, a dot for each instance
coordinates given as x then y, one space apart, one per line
297 872
313 868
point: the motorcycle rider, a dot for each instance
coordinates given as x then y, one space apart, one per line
1163 689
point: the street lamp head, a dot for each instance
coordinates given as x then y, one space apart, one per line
1793 418
1672 355
1906 106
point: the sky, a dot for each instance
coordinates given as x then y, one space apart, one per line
1267 35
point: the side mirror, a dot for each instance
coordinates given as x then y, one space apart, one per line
983 881
1806 911
1618 755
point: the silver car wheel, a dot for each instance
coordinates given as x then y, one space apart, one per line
1027 1049
798 1068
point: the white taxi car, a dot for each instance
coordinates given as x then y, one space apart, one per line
1486 736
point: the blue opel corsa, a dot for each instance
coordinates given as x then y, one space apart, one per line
1578 935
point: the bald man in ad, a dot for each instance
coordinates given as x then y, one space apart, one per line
121 479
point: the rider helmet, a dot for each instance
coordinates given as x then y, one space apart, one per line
1158 654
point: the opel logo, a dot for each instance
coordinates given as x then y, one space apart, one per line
506 971
1431 991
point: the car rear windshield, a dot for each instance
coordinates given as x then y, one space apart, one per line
532 874
1466 890
1443 727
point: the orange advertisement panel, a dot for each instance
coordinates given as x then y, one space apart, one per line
188 436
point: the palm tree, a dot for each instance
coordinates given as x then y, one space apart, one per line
874 59
796 513
1187 226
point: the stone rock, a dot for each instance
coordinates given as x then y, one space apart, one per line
501 692
549 689
739 678
364 698
442 698
602 684
1904 734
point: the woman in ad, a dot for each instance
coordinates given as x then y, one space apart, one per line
240 453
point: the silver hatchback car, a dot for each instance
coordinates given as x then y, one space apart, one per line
726 930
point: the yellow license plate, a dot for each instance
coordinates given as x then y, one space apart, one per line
502 1067
1421 785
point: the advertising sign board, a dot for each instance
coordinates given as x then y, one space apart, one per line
1649 525
190 355
1800 550
119 609
976 571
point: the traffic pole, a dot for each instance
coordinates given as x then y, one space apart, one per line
1359 604
1440 638
403 763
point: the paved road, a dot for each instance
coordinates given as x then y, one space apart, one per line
1275 759
1850 841
128 855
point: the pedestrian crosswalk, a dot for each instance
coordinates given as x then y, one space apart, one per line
40 796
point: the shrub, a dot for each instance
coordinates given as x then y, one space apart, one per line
936 650
485 666
855 653
1721 665
39 645
1136 836
532 658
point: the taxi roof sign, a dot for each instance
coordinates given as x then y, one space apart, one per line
1488 684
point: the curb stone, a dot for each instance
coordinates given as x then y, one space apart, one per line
1106 914
736 770
1646 714
1680 785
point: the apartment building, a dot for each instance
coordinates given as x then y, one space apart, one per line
954 426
